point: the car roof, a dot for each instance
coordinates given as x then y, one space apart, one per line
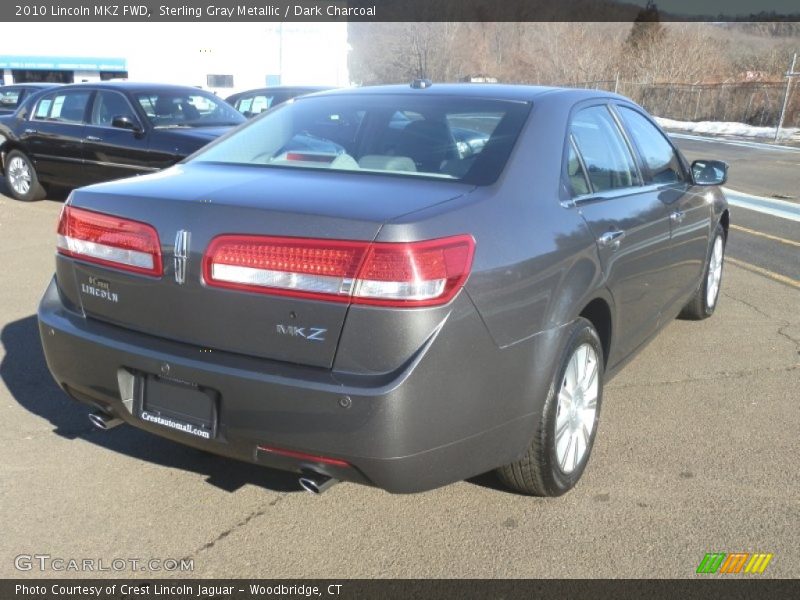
288 88
274 89
135 86
499 91
30 85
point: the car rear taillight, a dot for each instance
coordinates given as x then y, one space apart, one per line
379 273
110 241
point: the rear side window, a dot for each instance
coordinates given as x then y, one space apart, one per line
657 153
605 153
577 177
63 107
415 136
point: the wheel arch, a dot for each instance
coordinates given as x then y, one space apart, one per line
598 313
5 149
725 221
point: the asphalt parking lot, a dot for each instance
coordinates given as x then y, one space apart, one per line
697 452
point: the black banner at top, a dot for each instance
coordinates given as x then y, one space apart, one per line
396 10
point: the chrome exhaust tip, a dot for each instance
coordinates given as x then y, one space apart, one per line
104 421
315 483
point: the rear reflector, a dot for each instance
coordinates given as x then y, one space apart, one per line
386 274
110 241
303 456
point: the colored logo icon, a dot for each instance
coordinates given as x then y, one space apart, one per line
736 562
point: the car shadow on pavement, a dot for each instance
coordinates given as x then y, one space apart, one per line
54 193
25 373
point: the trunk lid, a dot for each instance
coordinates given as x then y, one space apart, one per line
208 200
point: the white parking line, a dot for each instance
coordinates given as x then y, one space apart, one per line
768 206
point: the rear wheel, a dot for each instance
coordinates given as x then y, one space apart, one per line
565 435
23 183
703 303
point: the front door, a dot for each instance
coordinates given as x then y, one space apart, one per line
689 210
114 152
629 221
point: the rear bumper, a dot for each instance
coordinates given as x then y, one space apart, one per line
458 408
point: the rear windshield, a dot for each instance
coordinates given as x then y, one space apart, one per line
438 137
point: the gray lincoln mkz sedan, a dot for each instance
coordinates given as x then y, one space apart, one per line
400 286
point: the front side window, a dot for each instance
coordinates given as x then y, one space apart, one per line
443 137
108 106
186 109
657 153
605 153
63 107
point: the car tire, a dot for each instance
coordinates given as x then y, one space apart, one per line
21 179
703 303
563 440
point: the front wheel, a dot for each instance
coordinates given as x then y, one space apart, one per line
23 183
566 430
703 303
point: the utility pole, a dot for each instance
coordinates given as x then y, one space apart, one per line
789 74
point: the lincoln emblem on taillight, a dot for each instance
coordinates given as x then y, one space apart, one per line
181 255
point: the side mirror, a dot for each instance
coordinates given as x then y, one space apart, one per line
122 122
709 172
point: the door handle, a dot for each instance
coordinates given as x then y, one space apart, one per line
611 239
677 216
92 138
30 131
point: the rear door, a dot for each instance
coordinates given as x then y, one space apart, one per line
113 152
54 133
629 220
689 211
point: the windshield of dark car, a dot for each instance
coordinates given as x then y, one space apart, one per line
447 137
186 109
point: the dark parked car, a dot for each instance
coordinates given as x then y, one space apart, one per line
86 133
254 102
328 292
12 96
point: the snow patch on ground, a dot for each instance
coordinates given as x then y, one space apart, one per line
729 128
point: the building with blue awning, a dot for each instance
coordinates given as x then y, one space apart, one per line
60 69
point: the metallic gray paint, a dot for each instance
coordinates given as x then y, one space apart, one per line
436 394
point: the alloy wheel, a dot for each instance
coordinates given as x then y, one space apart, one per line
577 408
714 272
19 176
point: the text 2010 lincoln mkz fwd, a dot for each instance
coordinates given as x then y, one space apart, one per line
400 286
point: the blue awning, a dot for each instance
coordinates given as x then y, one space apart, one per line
62 63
